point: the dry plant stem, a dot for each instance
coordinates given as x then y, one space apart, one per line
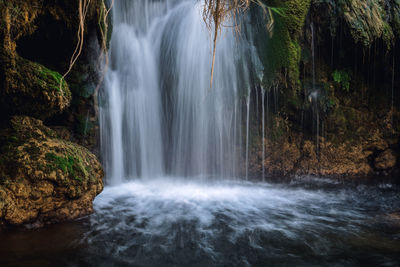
216 20
215 12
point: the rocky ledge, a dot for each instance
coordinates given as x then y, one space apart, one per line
44 179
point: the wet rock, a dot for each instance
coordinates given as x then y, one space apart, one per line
385 160
36 43
44 179
26 87
302 158
282 159
34 89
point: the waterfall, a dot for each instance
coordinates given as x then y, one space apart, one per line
158 114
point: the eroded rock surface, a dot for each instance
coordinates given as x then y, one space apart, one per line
44 179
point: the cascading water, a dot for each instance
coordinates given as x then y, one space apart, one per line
160 119
160 115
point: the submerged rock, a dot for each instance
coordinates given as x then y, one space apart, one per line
44 179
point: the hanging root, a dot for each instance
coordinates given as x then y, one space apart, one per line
103 23
103 55
82 9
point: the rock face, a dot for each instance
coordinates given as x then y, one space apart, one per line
27 87
44 179
335 120
288 153
385 160
302 158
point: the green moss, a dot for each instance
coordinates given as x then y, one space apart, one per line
34 89
282 51
72 166
388 36
49 80
367 21
49 75
342 78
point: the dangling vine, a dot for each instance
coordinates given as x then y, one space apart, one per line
103 23
83 8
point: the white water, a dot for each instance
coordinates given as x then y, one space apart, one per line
159 203
159 115
183 222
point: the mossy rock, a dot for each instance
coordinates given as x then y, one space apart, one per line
45 179
35 90
280 51
30 78
366 21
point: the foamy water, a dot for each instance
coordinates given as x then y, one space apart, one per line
173 221
187 222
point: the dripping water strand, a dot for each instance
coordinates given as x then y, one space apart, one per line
263 132
316 109
247 131
393 71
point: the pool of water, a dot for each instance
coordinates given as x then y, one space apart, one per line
179 222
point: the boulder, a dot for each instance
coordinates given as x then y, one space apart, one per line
44 179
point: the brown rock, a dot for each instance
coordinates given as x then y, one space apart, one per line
385 160
44 179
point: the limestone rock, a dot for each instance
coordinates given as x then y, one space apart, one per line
385 160
37 40
34 89
44 179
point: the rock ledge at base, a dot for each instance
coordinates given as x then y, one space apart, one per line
44 179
